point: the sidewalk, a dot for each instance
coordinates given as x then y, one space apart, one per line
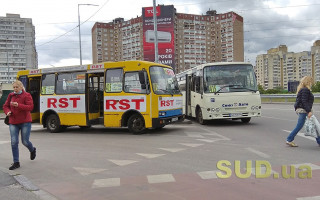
16 187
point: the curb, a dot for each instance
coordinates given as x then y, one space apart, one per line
28 185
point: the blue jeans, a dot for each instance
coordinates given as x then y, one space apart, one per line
301 120
25 135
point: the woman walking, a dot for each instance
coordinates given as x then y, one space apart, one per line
303 107
18 107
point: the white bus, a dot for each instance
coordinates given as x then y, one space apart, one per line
226 90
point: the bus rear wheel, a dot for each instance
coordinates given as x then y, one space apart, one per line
53 123
136 124
246 120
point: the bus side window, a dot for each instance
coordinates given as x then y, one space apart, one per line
132 83
48 84
196 84
114 80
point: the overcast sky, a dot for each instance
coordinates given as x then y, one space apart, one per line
267 23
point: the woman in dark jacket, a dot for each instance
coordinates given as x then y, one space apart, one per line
303 107
18 107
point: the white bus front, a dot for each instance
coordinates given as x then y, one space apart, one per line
228 91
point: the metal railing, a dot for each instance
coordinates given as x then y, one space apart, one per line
286 97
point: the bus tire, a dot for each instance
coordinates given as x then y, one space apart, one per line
53 123
200 117
246 120
136 124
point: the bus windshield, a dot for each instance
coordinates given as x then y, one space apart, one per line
229 78
163 80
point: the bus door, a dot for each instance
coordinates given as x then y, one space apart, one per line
188 96
34 90
94 97
32 85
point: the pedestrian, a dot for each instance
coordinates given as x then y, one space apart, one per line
303 107
18 107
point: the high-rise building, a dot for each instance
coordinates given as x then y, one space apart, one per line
278 68
17 46
184 40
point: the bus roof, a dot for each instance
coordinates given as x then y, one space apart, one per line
199 67
97 66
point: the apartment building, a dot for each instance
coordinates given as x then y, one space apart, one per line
279 68
184 40
17 46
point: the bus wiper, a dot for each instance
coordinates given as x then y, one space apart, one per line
253 90
232 86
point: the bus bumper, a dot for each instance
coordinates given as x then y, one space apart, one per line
161 122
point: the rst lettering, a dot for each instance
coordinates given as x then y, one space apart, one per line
165 103
124 104
63 102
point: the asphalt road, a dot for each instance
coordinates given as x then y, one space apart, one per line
178 162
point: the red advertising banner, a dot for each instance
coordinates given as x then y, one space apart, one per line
165 27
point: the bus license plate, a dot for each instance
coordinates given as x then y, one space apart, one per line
174 119
235 114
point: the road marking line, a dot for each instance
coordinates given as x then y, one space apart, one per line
309 198
194 134
212 133
208 174
173 150
302 135
4 142
259 153
87 171
313 166
190 145
123 162
150 155
209 141
279 118
162 178
262 171
109 182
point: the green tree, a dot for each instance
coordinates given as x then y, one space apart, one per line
316 87
261 90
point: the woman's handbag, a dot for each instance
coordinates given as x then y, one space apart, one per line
6 120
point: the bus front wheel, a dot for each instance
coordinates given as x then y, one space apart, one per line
200 117
136 124
53 123
246 120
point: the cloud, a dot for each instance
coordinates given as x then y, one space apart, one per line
267 23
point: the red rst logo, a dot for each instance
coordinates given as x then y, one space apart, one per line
165 103
96 66
63 102
123 104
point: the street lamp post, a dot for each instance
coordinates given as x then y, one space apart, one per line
156 57
79 27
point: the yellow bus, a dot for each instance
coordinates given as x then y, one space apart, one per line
136 94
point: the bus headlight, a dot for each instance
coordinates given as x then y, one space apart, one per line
215 109
162 113
255 107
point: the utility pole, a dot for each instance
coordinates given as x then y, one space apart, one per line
79 27
156 57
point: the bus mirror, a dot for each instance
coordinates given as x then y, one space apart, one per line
142 78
